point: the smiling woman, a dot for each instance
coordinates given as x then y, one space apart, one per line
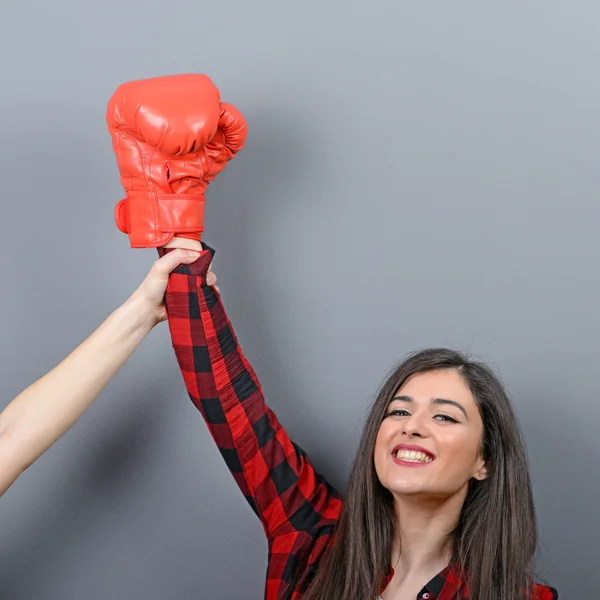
448 432
439 504
440 490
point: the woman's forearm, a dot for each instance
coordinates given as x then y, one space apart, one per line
274 474
42 413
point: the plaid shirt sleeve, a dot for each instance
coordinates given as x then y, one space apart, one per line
274 474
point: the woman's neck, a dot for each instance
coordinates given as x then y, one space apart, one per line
423 533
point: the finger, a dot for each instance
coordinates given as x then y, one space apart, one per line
172 260
211 278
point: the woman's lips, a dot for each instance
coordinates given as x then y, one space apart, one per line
409 455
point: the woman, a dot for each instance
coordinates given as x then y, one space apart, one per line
41 414
439 504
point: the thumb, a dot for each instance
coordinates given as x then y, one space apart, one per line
234 128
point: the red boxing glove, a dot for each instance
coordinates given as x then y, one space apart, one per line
172 136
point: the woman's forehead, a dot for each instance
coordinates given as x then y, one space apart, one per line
447 383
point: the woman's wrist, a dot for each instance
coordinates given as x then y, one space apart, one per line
135 316
187 244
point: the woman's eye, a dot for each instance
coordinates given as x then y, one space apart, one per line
399 412
446 418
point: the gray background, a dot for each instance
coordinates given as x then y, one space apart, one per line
416 174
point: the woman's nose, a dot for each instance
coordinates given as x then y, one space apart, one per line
414 426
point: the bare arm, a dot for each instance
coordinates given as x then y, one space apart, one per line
42 413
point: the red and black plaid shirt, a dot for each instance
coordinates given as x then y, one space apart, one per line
296 505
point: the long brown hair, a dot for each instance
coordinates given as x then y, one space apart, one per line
496 537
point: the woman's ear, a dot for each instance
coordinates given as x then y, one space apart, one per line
481 473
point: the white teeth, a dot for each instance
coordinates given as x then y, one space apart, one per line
413 456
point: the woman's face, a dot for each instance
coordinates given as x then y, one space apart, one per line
430 439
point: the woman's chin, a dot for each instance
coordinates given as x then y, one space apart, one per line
412 490
408 488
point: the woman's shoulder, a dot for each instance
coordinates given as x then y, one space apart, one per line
544 592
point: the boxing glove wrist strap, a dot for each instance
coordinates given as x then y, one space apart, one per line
157 219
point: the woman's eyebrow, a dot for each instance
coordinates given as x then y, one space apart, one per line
433 401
